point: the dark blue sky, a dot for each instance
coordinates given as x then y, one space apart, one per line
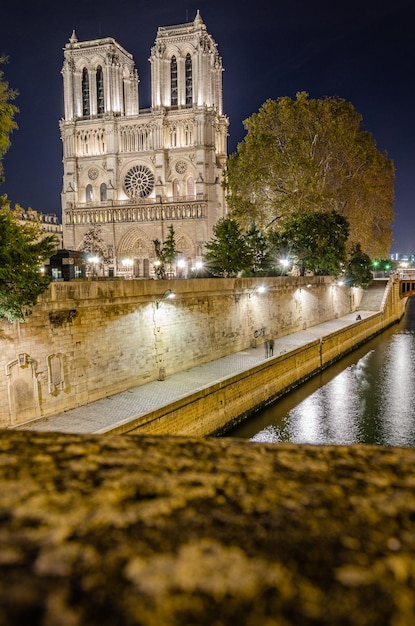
359 50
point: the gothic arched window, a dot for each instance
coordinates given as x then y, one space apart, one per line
100 91
173 136
173 82
85 93
103 192
176 191
189 80
190 186
88 193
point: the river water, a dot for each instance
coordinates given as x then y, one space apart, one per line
367 397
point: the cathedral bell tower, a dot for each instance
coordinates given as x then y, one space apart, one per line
129 173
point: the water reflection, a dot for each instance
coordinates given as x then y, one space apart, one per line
368 397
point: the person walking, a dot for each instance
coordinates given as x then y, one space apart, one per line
266 345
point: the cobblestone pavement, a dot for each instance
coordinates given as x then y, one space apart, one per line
98 416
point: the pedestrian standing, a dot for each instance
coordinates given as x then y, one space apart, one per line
266 344
271 347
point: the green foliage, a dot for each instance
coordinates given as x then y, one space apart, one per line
259 252
22 251
315 241
7 114
358 271
166 254
228 253
383 265
305 155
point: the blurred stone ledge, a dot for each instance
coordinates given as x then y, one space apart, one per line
168 531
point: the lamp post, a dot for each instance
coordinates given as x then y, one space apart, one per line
93 260
181 264
167 295
197 268
128 264
284 264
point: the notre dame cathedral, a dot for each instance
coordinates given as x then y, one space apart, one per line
130 173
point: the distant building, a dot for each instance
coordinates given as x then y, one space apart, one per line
49 224
407 260
135 172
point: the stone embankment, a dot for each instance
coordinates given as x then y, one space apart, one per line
155 531
212 396
87 340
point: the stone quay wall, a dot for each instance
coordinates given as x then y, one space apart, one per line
218 407
90 339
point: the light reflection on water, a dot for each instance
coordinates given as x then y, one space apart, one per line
367 397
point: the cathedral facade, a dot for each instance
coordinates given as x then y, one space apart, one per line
131 174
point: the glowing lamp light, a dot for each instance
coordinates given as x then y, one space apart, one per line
259 289
167 295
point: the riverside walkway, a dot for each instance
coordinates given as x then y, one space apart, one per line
102 415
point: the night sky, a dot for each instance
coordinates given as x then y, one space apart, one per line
359 50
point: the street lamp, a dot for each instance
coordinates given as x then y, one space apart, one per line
127 264
258 289
181 264
167 295
93 260
197 267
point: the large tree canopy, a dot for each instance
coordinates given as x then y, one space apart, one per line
305 155
22 246
316 242
7 114
22 250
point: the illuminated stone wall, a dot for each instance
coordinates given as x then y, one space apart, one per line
90 339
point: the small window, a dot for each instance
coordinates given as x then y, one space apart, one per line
103 192
88 193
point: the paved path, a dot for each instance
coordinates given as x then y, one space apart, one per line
100 415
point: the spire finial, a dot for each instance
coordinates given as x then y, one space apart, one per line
73 38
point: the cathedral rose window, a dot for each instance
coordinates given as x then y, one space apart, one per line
181 167
139 182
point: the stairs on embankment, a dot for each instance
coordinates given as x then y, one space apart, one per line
373 295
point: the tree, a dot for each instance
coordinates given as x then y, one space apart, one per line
22 251
166 254
7 114
308 155
315 241
358 271
259 252
94 246
227 252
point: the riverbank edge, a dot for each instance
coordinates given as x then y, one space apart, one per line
299 382
218 407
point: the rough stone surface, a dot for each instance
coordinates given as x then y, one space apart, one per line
159 531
